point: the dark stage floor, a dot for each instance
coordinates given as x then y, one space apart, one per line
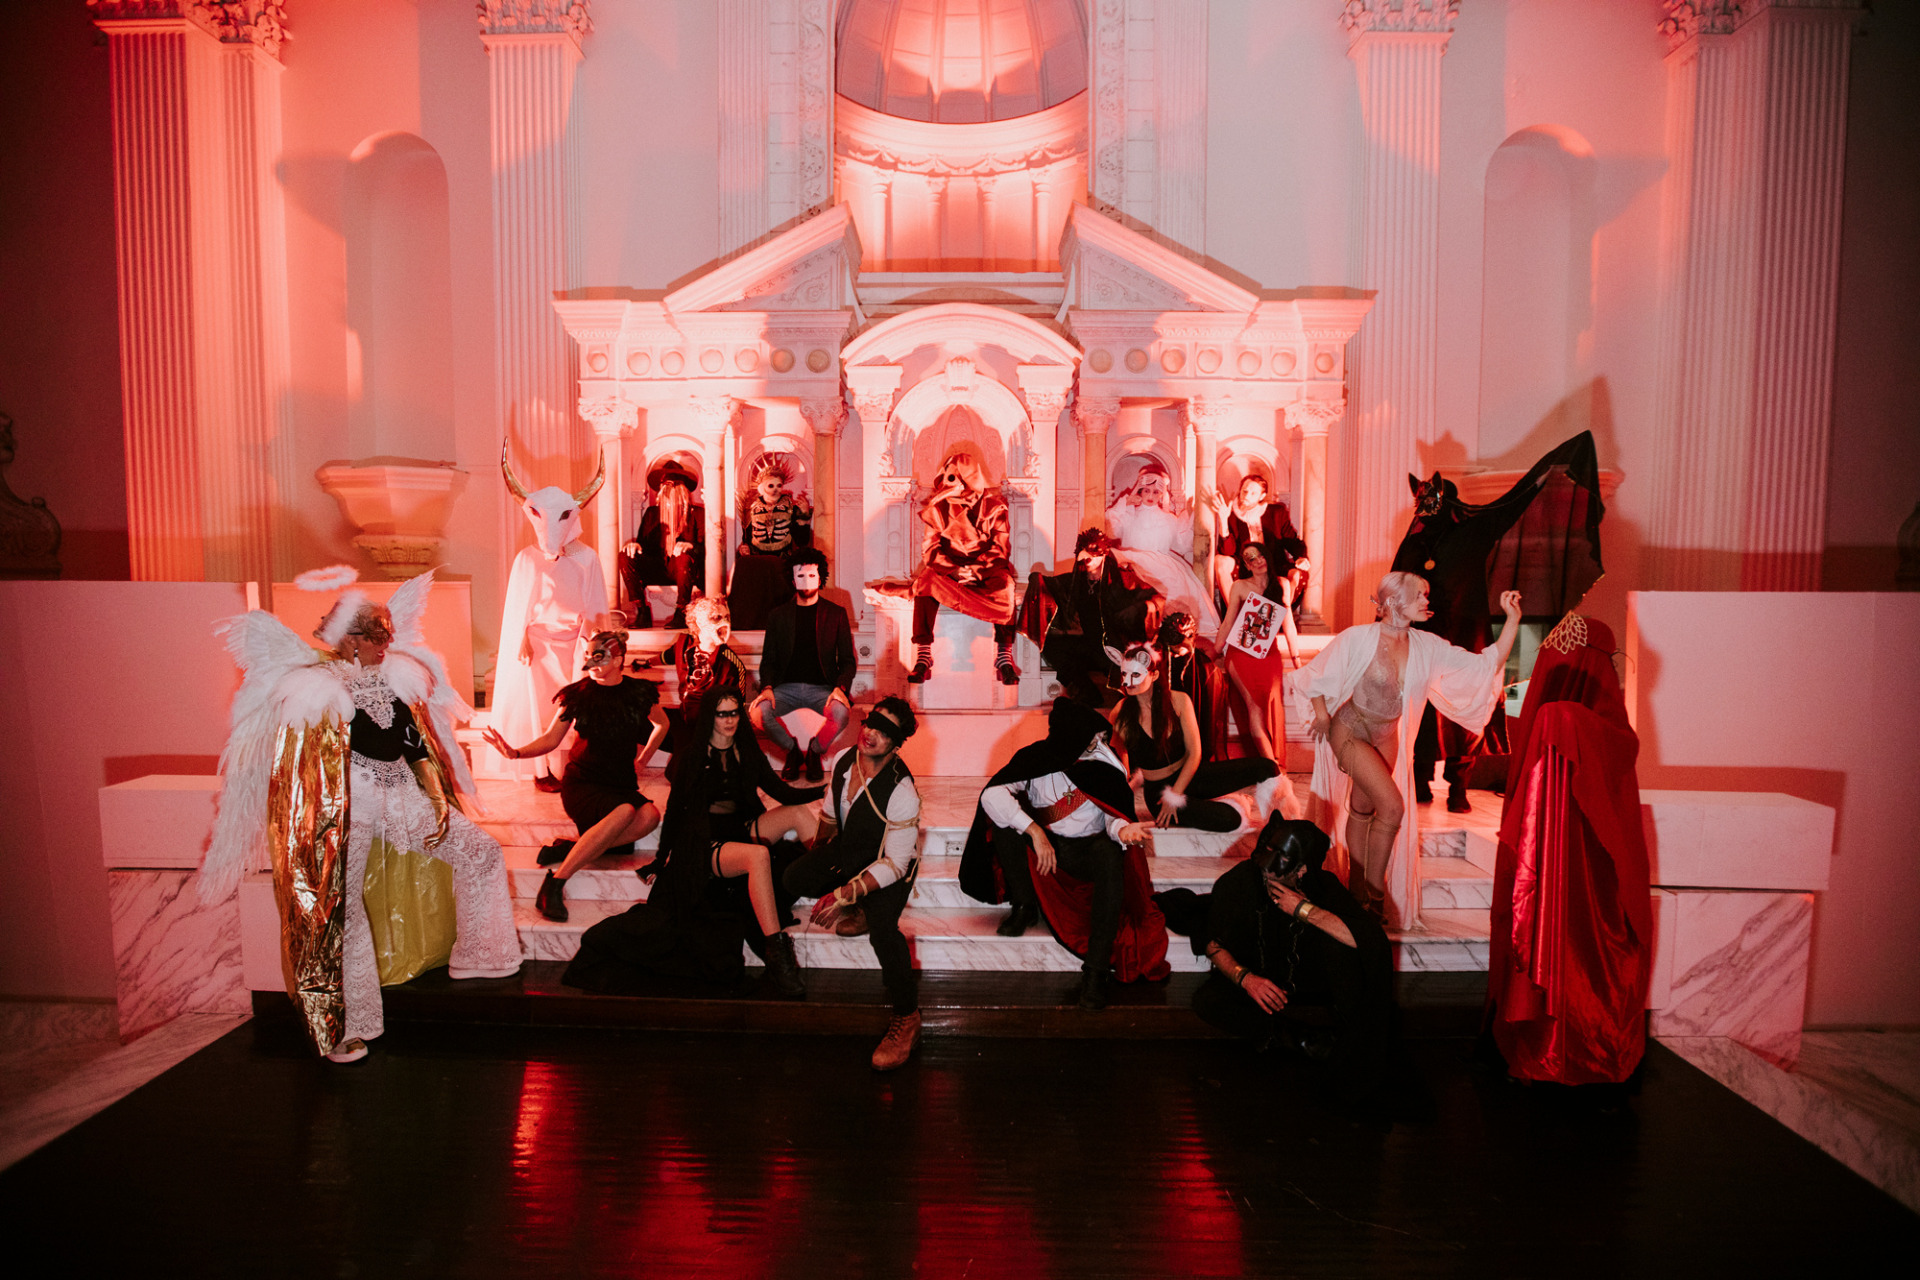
499 1151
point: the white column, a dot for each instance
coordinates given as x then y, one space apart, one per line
1180 122
1396 47
201 248
825 416
1205 417
1094 416
714 418
533 51
1756 132
612 419
872 388
745 87
1314 420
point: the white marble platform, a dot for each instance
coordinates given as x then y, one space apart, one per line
1739 969
1855 1095
172 954
1737 840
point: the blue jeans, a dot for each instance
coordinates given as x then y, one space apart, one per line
791 697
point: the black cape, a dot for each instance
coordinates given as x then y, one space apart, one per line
1071 726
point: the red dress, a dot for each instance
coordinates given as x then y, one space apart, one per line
1572 947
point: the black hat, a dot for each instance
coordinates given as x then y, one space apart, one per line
671 468
1289 844
1071 726
893 717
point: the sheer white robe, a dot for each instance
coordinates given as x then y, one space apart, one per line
1150 539
1464 686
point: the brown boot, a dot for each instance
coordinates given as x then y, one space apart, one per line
903 1033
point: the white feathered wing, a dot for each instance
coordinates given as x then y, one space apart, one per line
282 676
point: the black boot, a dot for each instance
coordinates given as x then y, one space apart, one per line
1003 664
1018 920
783 968
816 770
922 664
1093 989
791 769
551 901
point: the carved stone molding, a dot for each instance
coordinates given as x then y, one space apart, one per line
1206 415
1686 19
716 414
29 533
260 23
534 18
609 416
825 416
1315 417
1095 415
1398 17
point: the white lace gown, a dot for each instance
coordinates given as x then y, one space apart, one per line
1151 539
386 803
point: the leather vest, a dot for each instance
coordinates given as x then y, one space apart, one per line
865 829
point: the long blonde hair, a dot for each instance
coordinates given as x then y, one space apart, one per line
673 501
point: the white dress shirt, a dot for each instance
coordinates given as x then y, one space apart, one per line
1002 803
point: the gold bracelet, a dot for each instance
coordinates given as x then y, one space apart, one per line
1304 910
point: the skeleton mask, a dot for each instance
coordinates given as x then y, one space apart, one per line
554 513
961 468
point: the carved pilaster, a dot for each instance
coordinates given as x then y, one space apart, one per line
570 18
533 52
1396 47
1093 418
201 248
1756 117
1314 420
824 416
714 417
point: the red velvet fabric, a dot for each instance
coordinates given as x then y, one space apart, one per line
1140 946
1572 944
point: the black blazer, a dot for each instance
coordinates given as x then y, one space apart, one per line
832 633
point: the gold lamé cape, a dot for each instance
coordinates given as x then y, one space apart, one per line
408 894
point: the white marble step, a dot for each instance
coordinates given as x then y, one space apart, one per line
964 938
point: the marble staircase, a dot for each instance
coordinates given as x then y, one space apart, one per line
953 932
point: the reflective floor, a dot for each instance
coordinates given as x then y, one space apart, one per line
490 1151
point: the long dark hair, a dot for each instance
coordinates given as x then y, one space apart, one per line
1128 721
685 828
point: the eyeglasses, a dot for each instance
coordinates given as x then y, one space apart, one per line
373 633
727 715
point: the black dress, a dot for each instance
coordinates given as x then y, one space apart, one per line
613 721
1204 810
693 923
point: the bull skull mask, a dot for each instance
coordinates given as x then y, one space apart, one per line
553 512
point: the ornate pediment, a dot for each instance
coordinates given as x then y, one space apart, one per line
808 267
1115 268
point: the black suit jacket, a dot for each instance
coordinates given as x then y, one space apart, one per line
833 635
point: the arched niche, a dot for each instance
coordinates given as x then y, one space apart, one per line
1537 282
988 410
1129 453
399 300
959 427
1240 456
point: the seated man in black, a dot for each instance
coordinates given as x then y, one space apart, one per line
1293 952
1074 616
1067 800
862 865
808 662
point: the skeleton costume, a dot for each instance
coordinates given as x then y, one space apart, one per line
333 767
774 531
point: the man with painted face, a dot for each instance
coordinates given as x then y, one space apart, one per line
808 662
1074 616
965 563
1055 833
862 866
1296 959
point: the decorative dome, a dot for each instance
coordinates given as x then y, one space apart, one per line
962 61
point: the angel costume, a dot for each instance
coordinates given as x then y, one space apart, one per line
332 777
1148 534
1464 686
